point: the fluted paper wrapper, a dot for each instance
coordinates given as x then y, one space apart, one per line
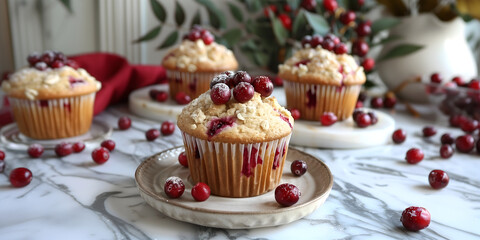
191 83
54 118
234 169
339 100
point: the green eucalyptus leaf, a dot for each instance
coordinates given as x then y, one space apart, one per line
400 51
294 4
298 25
67 4
253 5
170 40
318 23
179 14
216 17
150 35
388 39
261 58
236 12
196 20
232 36
158 10
281 34
384 24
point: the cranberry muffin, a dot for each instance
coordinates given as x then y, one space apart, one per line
318 80
191 65
52 98
236 136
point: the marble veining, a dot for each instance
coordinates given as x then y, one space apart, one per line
74 198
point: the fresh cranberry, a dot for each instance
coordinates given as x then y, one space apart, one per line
124 123
286 21
330 5
2 155
447 138
340 48
458 80
287 8
220 93
298 167
469 126
73 64
35 150
161 96
277 81
182 159
307 39
302 62
399 136
267 9
57 64
360 2
457 120
63 149
308 5
328 45
207 37
317 40
363 29
474 84
194 35
243 92
241 76
376 102
436 78
174 187
167 128
360 48
415 218
263 85
373 117
295 113
358 105
356 112
414 155
363 120
59 56
200 192
221 78
153 93
429 131
182 98
41 66
78 147
465 143
100 155
48 57
287 194
20 177
215 126
152 134
33 59
328 118
446 151
438 179
389 102
108 144
368 64
347 17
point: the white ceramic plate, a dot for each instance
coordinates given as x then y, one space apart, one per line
232 213
139 103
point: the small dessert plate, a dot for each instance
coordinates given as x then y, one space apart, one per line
140 103
14 140
232 213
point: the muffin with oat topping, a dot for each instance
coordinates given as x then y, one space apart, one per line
236 136
319 79
192 65
52 98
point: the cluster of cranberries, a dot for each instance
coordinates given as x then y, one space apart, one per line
174 188
240 85
364 118
388 101
167 128
197 32
50 59
161 96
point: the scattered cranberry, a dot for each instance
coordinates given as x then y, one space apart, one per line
360 48
161 96
152 134
373 117
200 192
355 113
347 17
438 179
100 155
308 5
340 48
124 123
358 105
446 151
447 138
298 167
182 159
457 120
33 59
2 155
363 120
376 102
415 218
35 150
63 149
458 80
328 118
287 8
436 78
108 144
429 131
368 64
295 113
286 21
465 143
220 93
389 101
20 177
78 147
277 81
167 128
182 98
287 194
474 84
363 29
330 5
174 187
263 85
469 126
243 92
414 155
332 37
399 136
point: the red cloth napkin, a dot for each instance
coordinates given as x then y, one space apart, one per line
118 78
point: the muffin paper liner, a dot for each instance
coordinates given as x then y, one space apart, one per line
191 83
54 118
235 169
312 100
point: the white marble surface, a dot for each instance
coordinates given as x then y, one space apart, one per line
73 198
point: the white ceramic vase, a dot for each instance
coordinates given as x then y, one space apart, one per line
445 50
